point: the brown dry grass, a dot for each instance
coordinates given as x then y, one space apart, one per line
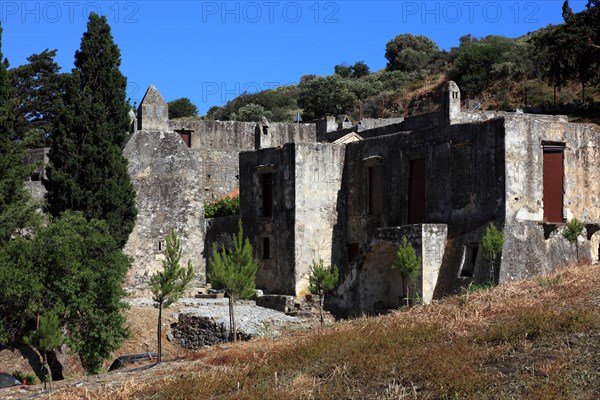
533 339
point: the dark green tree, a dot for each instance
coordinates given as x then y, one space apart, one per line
328 95
360 69
17 214
181 108
408 264
321 280
343 70
234 271
74 269
409 53
46 338
87 170
38 90
492 243
168 285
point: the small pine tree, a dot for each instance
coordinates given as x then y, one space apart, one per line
572 231
322 280
47 337
235 272
168 285
492 243
408 264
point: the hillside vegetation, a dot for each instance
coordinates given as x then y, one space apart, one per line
534 339
554 66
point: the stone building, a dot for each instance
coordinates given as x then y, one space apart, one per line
178 165
439 179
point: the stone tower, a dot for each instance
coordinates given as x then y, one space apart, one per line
450 102
153 112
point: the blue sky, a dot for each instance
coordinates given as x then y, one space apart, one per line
211 51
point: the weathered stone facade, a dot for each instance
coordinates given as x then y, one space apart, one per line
439 179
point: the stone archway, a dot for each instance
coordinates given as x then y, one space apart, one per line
380 286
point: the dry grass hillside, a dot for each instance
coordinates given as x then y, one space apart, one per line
535 339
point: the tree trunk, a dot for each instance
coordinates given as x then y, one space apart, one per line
554 95
232 315
47 374
55 366
321 307
159 330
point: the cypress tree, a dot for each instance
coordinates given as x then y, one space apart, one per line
87 170
16 212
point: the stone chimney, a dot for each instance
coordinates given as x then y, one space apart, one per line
153 112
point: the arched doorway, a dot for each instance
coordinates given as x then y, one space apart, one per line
380 286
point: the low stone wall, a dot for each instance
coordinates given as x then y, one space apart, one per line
193 331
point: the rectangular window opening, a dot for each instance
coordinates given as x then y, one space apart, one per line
267 194
467 266
35 177
186 136
161 245
352 251
375 186
553 180
266 248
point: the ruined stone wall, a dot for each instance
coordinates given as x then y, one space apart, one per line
276 273
533 246
371 285
318 180
167 177
219 232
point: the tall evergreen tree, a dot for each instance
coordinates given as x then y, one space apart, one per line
16 212
87 170
38 89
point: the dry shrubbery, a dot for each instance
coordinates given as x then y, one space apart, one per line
532 339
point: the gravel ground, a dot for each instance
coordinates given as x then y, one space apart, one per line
250 318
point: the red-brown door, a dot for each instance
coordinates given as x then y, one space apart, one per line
416 191
553 186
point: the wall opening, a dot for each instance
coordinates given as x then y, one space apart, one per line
416 191
266 248
265 130
352 251
161 245
553 181
35 177
266 183
375 187
467 265
186 136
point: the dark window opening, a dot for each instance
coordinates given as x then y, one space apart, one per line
266 249
267 194
416 191
352 251
161 245
375 185
35 177
265 130
469 258
553 184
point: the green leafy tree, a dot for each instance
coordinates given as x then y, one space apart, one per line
360 69
47 337
17 214
222 207
408 264
328 95
74 269
87 170
251 113
168 285
572 231
409 53
234 271
38 89
322 280
492 243
181 108
343 70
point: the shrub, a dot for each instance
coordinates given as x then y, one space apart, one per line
222 207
